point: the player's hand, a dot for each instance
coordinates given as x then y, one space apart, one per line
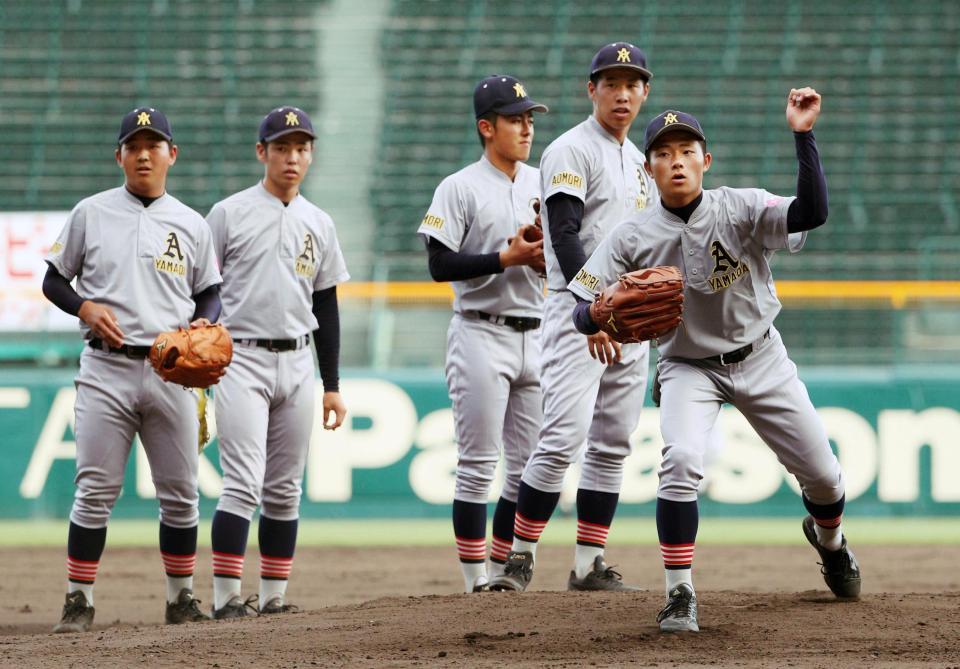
603 348
333 404
521 252
199 323
803 108
102 322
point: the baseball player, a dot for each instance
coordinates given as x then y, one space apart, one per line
592 177
281 264
726 349
474 232
144 264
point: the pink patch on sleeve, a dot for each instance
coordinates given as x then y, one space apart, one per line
773 202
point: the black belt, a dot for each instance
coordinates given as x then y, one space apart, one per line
125 349
277 344
739 355
518 323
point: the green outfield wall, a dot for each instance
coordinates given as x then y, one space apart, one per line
896 431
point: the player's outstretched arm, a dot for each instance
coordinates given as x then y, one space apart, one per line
803 108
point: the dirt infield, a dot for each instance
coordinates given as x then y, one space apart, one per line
760 607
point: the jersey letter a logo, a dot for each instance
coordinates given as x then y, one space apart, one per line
308 254
173 247
722 261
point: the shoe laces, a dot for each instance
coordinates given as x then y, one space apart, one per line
75 606
193 606
251 603
677 607
514 568
610 574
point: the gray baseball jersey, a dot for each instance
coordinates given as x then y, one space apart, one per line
474 211
589 163
723 252
273 258
145 263
586 402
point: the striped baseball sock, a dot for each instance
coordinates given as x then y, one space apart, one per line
827 522
228 537
84 548
595 512
534 508
178 551
502 540
677 524
470 532
278 539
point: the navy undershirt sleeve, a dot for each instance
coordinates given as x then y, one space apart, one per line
448 265
565 213
208 304
326 338
59 291
581 318
809 210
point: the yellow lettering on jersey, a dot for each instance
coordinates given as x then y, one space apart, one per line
432 221
584 278
170 267
642 201
56 248
567 179
303 268
724 281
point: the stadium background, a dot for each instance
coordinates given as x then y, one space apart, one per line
872 305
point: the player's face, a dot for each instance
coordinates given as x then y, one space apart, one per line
511 137
677 163
617 98
287 160
145 158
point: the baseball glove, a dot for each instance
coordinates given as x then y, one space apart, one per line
195 358
642 305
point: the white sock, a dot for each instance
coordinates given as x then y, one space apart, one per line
495 568
831 539
224 589
85 588
583 559
675 577
472 572
177 583
271 588
519 546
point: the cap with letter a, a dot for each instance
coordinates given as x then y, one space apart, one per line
503 94
620 54
671 121
283 121
144 118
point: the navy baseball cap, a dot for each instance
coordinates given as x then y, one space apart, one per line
620 54
503 94
283 121
144 118
670 121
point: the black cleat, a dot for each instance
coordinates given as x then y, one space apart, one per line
276 605
680 613
77 614
185 610
601 578
839 568
517 573
237 608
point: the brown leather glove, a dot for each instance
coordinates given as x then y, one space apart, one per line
642 305
195 358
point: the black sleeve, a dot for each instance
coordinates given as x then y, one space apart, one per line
208 304
809 210
448 265
582 320
565 214
59 291
326 338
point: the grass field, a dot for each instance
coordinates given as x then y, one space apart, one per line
437 532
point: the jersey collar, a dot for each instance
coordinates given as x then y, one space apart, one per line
695 217
135 201
270 197
595 126
492 170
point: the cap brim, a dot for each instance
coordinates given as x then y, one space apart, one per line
625 66
289 131
674 127
519 108
153 130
